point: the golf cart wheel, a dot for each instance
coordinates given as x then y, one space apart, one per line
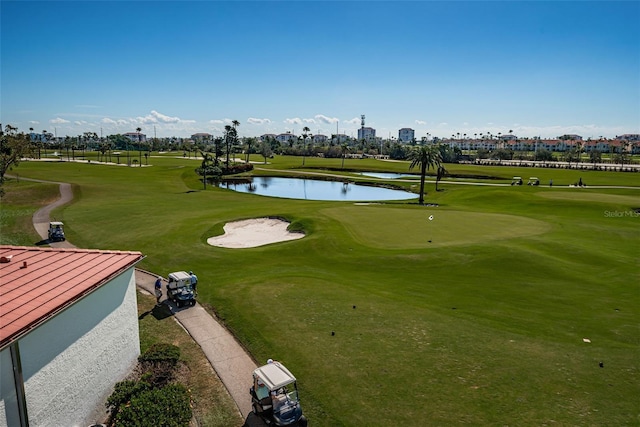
254 408
302 422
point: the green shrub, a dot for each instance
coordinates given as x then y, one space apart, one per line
237 168
158 364
123 392
169 406
161 352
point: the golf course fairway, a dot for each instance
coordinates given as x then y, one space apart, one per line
522 310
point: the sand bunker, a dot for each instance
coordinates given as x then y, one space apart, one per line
254 232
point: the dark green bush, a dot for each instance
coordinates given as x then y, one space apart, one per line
123 392
237 168
161 352
169 406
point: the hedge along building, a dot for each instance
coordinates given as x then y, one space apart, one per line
68 333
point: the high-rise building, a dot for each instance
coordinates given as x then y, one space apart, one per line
406 135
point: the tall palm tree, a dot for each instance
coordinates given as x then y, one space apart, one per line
440 174
345 150
425 156
249 142
139 149
234 136
305 134
227 139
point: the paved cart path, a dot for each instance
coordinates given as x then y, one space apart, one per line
227 357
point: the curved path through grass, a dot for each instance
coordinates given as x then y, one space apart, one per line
227 357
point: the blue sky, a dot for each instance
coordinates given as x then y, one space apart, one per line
538 68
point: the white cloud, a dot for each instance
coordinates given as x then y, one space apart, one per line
324 119
156 117
80 122
254 121
165 119
309 121
353 121
294 121
34 122
58 121
421 122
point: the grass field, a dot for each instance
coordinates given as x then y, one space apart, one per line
483 325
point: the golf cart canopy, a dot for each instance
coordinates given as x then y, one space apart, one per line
180 275
55 224
274 375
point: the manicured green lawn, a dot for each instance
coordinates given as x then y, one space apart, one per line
483 325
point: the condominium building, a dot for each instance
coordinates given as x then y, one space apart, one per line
366 133
136 137
406 135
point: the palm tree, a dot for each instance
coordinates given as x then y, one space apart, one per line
305 135
249 142
139 150
440 174
234 137
345 150
426 156
227 139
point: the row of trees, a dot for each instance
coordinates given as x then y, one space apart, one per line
574 155
14 146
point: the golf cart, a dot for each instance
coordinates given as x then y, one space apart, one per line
516 180
274 396
56 233
533 181
179 289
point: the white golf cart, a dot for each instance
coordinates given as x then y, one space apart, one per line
56 232
516 180
533 181
179 289
274 396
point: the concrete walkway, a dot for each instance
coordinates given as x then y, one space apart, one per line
227 357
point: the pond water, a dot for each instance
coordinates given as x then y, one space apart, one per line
389 175
311 189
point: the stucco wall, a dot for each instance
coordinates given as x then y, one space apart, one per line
8 403
71 362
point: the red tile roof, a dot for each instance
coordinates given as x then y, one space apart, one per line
36 283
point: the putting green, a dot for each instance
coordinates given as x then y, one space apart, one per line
393 228
592 197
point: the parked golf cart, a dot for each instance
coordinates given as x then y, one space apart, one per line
56 232
179 289
533 181
274 396
516 180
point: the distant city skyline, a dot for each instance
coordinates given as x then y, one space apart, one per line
177 68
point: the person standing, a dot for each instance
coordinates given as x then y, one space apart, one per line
158 289
194 282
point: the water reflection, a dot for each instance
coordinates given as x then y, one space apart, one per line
311 189
388 175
